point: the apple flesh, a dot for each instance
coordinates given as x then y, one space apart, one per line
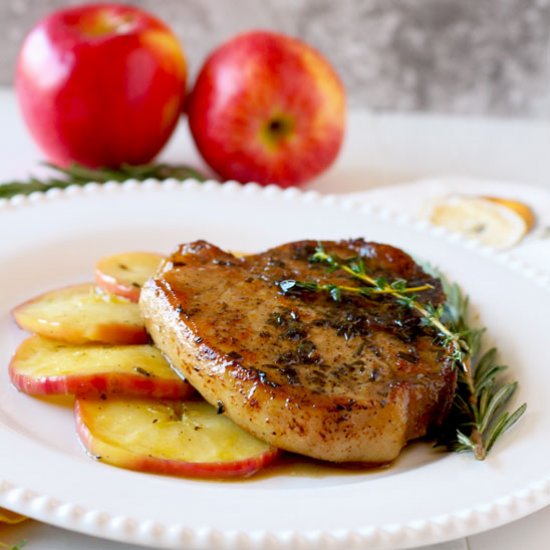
82 314
183 439
101 85
267 108
42 366
124 274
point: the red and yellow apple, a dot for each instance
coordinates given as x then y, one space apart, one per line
42 366
82 314
267 108
101 85
177 438
124 274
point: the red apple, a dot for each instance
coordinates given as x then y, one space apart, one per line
267 108
177 438
101 85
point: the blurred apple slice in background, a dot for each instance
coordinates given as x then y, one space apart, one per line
520 208
496 222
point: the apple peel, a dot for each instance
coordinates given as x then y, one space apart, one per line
520 208
124 274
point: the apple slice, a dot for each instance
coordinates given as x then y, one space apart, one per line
82 314
523 210
125 274
176 438
42 366
498 223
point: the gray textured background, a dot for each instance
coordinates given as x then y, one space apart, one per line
489 57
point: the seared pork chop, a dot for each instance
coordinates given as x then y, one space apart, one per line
347 380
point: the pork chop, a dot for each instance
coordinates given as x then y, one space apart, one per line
347 380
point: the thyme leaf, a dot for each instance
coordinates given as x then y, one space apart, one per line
81 175
399 290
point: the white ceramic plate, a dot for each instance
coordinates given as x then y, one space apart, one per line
52 240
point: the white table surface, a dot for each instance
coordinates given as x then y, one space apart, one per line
380 150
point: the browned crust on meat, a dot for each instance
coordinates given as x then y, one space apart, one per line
284 368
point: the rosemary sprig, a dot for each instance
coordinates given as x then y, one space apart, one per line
81 175
478 415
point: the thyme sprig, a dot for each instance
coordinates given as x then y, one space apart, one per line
478 416
398 289
77 174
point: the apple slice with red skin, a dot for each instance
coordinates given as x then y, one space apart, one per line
176 438
82 314
124 274
42 366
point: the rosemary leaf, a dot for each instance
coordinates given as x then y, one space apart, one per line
81 175
486 363
505 423
488 380
461 404
464 442
478 412
497 401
